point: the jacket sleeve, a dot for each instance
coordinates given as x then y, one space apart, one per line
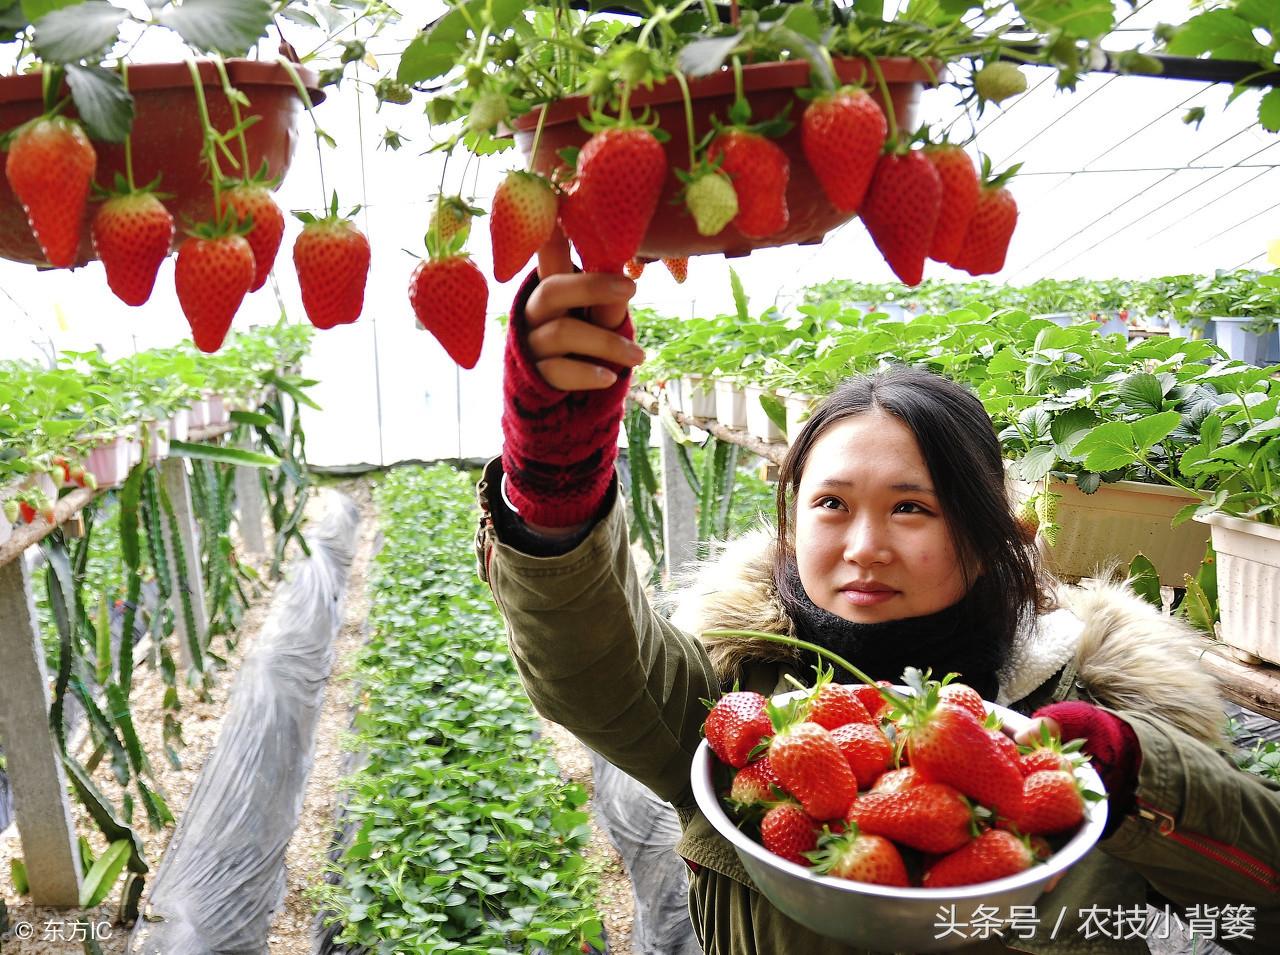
596 658
1203 832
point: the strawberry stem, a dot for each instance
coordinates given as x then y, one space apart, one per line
688 115
802 644
306 102
888 100
210 134
537 136
232 97
128 139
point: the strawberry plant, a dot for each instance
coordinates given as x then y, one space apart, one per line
430 866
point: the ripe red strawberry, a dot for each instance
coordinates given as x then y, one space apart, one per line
27 512
947 745
811 766
50 168
986 240
862 857
736 724
842 134
959 198
449 296
1007 746
871 698
212 277
132 234
579 227
901 210
993 855
836 704
522 220
451 216
752 783
867 750
786 831
634 268
251 201
760 171
1043 760
932 817
964 697
1051 802
331 257
621 171
898 780
679 268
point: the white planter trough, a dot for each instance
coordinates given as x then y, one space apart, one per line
1248 585
675 399
198 414
218 412
759 424
157 440
731 403
1061 319
109 462
1116 523
1113 324
1238 342
698 396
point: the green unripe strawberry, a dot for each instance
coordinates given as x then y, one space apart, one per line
997 82
389 91
487 112
11 511
712 201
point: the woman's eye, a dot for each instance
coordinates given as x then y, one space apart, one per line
913 507
824 502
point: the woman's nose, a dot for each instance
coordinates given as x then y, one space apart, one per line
866 542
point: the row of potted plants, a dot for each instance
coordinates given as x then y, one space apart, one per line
1109 443
86 421
1237 308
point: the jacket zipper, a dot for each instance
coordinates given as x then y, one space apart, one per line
1225 855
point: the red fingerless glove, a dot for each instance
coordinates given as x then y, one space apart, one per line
559 447
1111 744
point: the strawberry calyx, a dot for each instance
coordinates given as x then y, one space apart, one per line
222 224
992 180
331 213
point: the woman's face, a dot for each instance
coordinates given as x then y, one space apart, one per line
871 542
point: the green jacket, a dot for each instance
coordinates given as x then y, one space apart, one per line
628 680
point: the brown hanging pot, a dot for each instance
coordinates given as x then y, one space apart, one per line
770 87
168 139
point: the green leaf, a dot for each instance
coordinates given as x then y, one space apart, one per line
18 873
776 410
229 27
1145 581
804 20
1155 428
739 297
1107 447
79 33
436 51
1197 608
703 57
1070 426
1078 18
101 879
1036 463
1269 110
1219 33
252 417
1142 393
104 105
224 455
35 9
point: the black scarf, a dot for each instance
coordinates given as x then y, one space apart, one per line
951 640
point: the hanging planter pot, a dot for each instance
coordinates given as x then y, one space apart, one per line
759 424
180 424
1248 585
770 87
108 462
799 406
167 138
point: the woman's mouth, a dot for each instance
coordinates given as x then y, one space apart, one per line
867 595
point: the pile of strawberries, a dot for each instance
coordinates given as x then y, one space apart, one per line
917 204
51 167
864 783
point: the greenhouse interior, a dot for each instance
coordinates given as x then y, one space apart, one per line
742 477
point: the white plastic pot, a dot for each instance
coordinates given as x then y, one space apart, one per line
198 414
759 424
158 439
1239 343
1248 585
6 529
109 462
675 397
180 424
1113 324
731 403
218 412
698 395
1116 523
1062 319
799 407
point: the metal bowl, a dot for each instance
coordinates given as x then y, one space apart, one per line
884 918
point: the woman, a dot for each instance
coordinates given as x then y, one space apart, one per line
895 546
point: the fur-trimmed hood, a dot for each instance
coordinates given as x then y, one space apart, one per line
1126 653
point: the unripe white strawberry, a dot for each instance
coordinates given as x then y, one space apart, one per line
997 82
712 201
487 111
